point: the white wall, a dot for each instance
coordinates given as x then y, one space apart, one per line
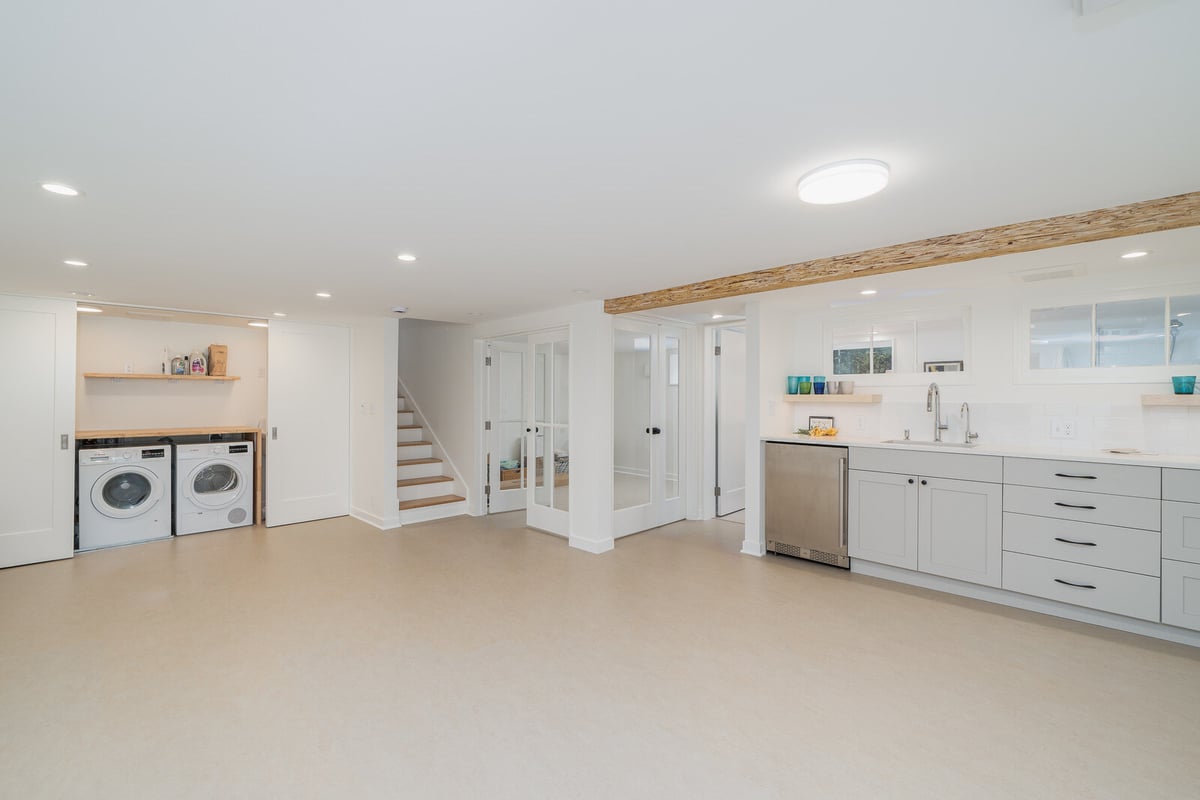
373 360
108 344
1006 407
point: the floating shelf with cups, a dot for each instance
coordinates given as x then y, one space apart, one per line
832 398
1185 400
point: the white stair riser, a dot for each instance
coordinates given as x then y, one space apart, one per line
425 490
415 451
401 404
433 512
409 434
418 471
404 418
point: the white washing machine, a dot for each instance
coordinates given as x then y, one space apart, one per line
124 495
214 486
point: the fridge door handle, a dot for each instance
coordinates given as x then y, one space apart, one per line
842 479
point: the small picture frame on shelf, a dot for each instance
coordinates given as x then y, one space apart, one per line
820 422
943 366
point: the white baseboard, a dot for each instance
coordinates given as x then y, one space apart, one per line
1025 602
594 546
374 520
754 547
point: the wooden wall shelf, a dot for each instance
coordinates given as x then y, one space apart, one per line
832 398
1192 400
137 376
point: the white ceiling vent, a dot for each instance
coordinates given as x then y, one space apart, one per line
1085 7
1050 273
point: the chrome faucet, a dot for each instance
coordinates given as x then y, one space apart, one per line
968 436
933 402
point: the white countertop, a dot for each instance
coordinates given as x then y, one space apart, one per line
1023 451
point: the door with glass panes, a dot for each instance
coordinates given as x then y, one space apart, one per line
648 419
547 432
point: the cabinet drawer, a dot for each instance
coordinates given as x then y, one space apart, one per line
1082 476
1106 509
1127 549
1181 594
1181 531
1182 485
961 466
1095 587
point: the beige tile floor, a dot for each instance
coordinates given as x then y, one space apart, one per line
478 659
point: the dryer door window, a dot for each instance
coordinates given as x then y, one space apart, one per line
215 484
126 493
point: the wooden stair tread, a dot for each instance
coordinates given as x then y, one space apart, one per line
423 481
412 444
407 505
408 427
412 462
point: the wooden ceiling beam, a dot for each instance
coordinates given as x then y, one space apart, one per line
1149 216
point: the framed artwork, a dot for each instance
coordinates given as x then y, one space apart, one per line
943 366
820 422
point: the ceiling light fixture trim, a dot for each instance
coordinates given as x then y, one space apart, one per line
61 188
843 181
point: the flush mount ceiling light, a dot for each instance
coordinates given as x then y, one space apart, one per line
324 295
257 324
1135 254
843 181
868 291
74 262
61 188
89 310
406 257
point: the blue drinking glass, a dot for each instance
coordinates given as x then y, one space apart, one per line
819 384
793 384
1184 384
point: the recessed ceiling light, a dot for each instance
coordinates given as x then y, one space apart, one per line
1183 313
280 314
1135 254
406 257
718 316
868 291
82 294
258 324
581 291
324 295
843 181
73 262
60 188
89 310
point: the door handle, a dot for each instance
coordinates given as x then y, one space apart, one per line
656 431
843 465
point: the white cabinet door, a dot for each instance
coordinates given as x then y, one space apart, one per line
1181 594
883 518
37 426
959 529
308 420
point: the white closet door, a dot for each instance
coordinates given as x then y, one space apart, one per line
507 440
37 426
308 422
731 420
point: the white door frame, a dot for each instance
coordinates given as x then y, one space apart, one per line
539 515
660 510
733 490
499 500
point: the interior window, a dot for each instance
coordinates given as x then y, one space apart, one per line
900 346
1146 332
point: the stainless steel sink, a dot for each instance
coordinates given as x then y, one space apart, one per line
959 445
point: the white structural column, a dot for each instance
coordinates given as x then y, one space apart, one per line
373 374
755 543
591 428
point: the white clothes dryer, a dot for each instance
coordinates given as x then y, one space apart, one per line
124 495
214 486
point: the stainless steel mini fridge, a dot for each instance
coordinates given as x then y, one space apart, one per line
805 504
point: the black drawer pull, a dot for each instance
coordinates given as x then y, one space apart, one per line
1068 541
1081 477
1076 585
1068 505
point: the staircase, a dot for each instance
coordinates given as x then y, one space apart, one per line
424 490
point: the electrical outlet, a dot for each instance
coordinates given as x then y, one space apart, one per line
129 367
861 423
1063 428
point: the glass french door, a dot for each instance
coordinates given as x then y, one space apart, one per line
648 411
508 463
547 432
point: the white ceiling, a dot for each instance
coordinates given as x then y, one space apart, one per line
240 156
